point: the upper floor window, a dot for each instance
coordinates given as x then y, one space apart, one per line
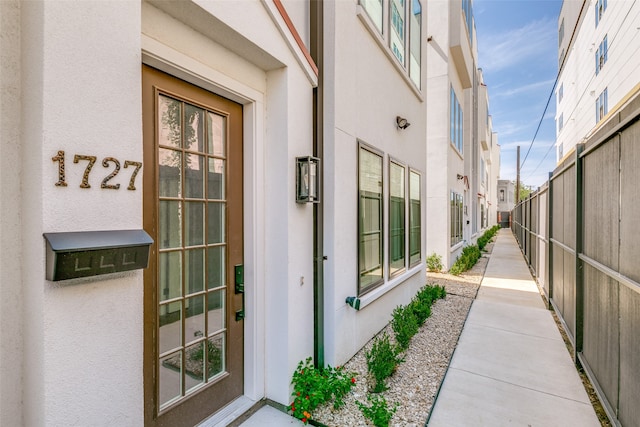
602 107
561 33
456 121
601 55
402 31
561 92
601 6
502 195
467 8
560 122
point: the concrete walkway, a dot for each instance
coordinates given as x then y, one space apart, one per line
511 366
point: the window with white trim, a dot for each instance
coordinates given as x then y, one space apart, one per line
455 121
601 6
601 55
602 107
415 234
370 225
402 31
397 228
456 211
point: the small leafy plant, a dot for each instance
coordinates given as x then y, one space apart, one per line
312 387
434 263
405 324
382 361
466 260
487 236
379 412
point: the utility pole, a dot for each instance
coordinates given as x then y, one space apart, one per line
518 178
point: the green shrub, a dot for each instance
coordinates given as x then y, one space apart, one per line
421 310
404 324
466 260
313 387
382 361
379 412
434 263
487 236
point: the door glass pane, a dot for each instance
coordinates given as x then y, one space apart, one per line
170 228
194 180
215 179
169 117
215 318
169 179
216 355
194 226
216 223
170 378
194 270
170 319
194 128
194 322
217 137
215 263
169 275
194 365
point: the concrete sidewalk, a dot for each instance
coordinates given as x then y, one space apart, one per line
511 366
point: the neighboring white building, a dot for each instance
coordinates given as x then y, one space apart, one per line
462 158
599 66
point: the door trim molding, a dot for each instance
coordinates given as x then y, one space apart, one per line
170 61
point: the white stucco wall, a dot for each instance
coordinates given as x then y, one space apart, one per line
11 284
364 92
81 94
581 86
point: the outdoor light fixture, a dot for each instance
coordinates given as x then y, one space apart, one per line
307 179
402 122
459 177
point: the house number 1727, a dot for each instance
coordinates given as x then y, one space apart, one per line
107 162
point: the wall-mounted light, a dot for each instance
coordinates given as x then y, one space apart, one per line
459 177
307 179
402 123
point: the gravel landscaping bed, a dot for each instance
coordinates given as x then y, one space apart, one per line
416 381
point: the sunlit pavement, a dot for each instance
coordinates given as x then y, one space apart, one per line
511 366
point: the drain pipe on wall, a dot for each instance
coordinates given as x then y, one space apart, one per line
317 53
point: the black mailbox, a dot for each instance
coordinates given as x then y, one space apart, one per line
91 253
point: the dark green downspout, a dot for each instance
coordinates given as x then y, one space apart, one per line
317 53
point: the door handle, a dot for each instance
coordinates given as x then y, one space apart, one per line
239 288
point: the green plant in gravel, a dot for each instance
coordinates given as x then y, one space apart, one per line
434 263
312 387
487 236
404 324
379 412
466 260
424 298
382 361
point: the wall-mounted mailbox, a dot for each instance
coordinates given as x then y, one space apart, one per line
91 253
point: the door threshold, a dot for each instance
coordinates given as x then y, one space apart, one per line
230 413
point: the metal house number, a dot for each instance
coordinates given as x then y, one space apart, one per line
107 162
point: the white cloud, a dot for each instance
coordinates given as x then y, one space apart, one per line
517 45
535 86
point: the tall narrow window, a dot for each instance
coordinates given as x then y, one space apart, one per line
374 10
414 218
601 106
601 6
560 122
601 55
467 8
561 33
456 121
370 220
398 9
415 44
561 92
456 211
397 258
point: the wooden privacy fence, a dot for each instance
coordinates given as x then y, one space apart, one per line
580 234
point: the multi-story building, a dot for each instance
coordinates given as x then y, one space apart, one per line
462 157
598 57
213 125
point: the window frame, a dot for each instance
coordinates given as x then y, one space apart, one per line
602 107
600 8
601 55
405 230
456 206
412 262
366 288
383 29
456 122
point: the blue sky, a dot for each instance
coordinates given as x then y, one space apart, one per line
517 50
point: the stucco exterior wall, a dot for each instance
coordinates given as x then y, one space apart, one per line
364 92
11 284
